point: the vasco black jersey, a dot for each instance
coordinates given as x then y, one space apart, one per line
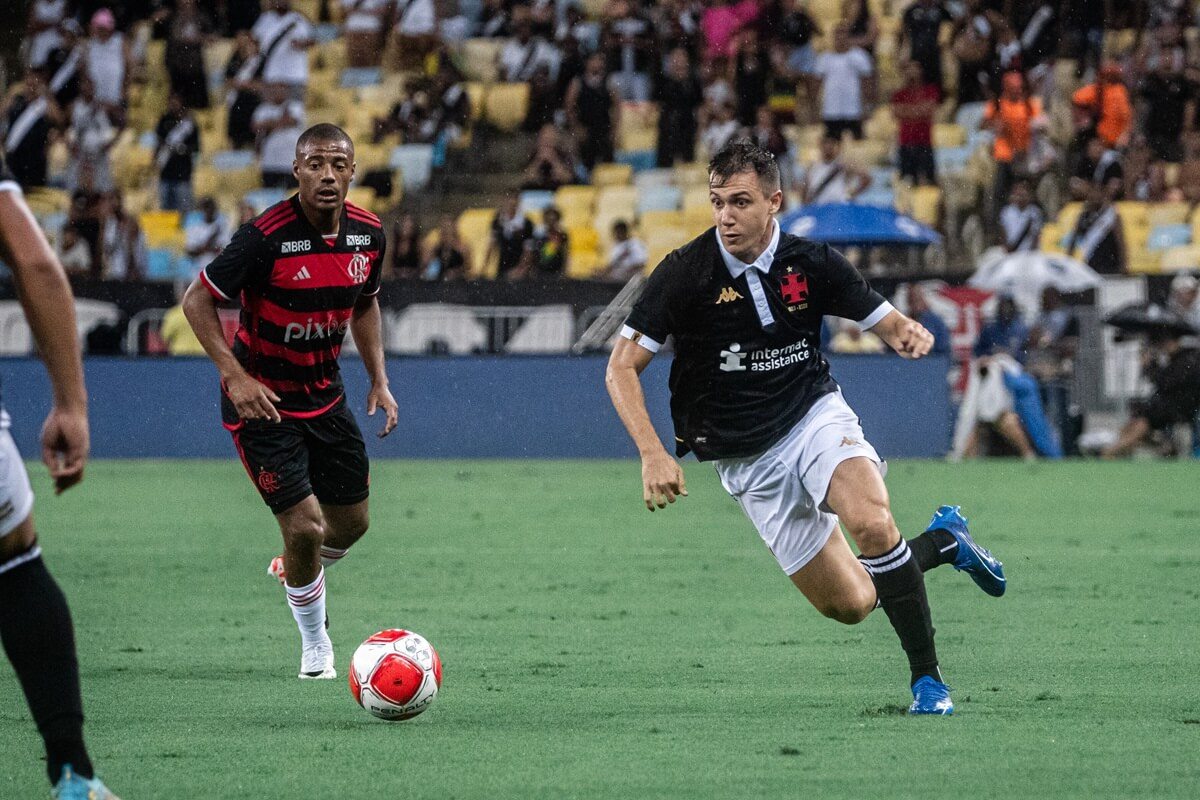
736 388
298 292
7 181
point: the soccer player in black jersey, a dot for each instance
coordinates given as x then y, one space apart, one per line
306 271
751 392
35 623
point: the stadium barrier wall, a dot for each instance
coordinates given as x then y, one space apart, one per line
460 407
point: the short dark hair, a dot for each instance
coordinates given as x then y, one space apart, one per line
323 132
743 155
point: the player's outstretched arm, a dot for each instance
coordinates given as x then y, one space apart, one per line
662 478
45 296
366 326
906 336
251 399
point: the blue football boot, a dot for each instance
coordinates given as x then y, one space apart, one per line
75 787
983 567
931 696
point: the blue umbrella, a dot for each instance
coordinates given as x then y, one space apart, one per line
851 225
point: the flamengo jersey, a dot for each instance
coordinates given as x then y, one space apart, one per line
737 388
297 293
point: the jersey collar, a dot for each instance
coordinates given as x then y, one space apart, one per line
764 261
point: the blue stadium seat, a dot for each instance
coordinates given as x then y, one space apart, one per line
355 77
262 199
535 200
231 160
415 162
147 140
1164 237
638 159
970 115
659 198
952 160
192 217
160 265
325 32
875 196
650 178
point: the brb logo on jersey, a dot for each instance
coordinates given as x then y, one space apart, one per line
733 359
315 329
358 268
299 246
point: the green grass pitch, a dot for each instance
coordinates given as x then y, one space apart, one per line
593 650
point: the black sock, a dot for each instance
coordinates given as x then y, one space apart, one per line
35 629
900 586
933 548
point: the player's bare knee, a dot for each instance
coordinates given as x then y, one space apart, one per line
849 609
872 528
306 531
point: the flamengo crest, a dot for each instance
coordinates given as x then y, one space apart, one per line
358 268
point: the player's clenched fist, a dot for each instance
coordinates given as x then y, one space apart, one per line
914 340
662 480
251 399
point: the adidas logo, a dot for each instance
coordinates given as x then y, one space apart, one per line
728 295
302 275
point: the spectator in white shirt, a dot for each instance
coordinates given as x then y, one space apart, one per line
42 30
720 129
831 180
415 31
519 59
362 27
205 236
627 256
278 123
107 59
842 72
91 135
283 37
1022 219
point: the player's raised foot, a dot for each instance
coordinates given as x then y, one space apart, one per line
276 570
931 696
75 787
316 662
984 568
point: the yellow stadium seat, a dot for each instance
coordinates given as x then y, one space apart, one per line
576 199
866 152
638 139
662 219
611 175
1050 238
694 174
583 238
1144 262
1183 258
617 202
506 105
1167 214
475 228
1133 211
362 196
882 126
585 265
206 181
43 199
947 134
696 202
368 156
1069 215
476 94
926 204
661 241
479 58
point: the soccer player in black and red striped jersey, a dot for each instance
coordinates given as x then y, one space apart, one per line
306 270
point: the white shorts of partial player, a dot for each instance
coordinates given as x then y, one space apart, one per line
16 495
782 489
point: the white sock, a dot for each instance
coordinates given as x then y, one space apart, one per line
308 607
331 555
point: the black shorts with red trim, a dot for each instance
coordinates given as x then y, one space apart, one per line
289 460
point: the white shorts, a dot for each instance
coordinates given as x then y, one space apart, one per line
16 496
783 489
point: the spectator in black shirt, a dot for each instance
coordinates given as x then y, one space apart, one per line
679 95
64 64
919 32
187 31
511 233
178 143
592 112
750 390
546 256
1100 167
29 115
1174 372
748 73
403 249
1170 109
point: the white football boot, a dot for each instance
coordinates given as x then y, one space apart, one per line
316 661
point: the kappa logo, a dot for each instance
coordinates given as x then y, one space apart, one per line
302 275
301 246
733 359
358 268
849 442
728 295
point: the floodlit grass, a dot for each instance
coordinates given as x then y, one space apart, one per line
594 650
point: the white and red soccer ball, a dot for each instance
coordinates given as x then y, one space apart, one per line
395 674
